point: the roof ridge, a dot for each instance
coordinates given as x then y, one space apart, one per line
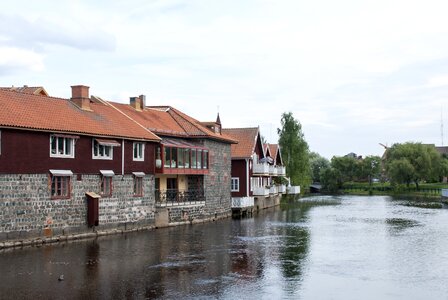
186 118
130 118
240 128
35 95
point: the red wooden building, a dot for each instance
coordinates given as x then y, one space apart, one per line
59 155
254 169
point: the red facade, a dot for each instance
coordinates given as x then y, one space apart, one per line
239 170
28 152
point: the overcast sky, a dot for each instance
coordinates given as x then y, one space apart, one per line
354 73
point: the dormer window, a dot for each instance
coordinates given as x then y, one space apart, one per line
62 146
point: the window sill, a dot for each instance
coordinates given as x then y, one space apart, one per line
61 156
102 158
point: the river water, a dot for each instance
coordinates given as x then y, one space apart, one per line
348 247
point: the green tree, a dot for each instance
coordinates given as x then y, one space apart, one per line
317 164
369 168
414 162
295 150
330 179
347 167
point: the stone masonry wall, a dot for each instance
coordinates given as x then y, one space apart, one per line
217 182
26 210
186 214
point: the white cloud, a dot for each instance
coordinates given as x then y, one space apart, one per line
350 71
437 81
15 58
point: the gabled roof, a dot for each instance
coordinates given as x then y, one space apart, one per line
35 112
267 150
34 90
276 153
168 121
247 141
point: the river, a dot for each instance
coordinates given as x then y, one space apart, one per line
323 247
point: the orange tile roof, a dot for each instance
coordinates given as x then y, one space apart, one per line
168 121
275 152
36 112
247 138
36 90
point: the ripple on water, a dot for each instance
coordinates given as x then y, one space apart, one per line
401 223
178 264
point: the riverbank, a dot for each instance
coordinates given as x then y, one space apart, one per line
425 191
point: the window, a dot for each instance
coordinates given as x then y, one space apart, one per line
60 184
0 142
205 159
101 150
173 158
61 146
181 157
193 158
106 186
235 184
107 182
187 158
199 158
138 183
167 163
139 151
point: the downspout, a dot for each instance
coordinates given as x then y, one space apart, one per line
247 177
122 157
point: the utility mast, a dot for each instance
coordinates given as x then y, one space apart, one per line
441 123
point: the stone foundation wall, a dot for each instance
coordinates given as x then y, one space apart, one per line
27 210
217 182
185 214
266 202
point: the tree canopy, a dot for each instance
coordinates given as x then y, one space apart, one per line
413 163
295 150
317 164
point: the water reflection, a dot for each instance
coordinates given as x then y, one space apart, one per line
314 248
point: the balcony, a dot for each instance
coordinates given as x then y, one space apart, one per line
242 202
281 171
273 190
293 190
261 169
273 170
174 197
282 189
260 191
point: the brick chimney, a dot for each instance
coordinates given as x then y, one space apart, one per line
138 103
80 97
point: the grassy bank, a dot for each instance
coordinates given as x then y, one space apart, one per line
426 190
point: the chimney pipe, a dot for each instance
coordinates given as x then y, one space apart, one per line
138 103
80 97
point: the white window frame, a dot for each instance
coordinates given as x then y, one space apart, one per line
72 146
235 184
99 146
138 157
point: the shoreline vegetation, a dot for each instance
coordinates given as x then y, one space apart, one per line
427 195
